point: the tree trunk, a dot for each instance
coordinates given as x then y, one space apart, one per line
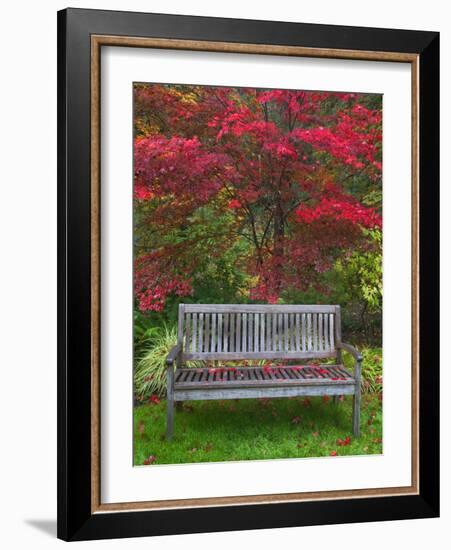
279 249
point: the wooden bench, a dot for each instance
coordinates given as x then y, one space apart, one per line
236 332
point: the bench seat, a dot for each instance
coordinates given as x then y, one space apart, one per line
193 384
302 375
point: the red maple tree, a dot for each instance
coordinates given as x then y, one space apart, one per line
275 161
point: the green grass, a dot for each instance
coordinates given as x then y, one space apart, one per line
249 429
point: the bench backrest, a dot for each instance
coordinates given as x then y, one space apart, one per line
240 331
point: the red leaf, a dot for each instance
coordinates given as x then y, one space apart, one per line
154 400
141 427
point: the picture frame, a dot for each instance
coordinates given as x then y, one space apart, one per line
81 36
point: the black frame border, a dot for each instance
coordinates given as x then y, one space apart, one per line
75 520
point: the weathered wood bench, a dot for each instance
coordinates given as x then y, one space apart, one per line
238 332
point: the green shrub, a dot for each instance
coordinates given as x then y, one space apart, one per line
144 331
371 369
150 370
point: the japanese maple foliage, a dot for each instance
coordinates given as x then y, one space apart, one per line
273 165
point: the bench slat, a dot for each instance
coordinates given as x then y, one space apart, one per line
256 321
315 332
187 345
246 355
326 332
258 392
232 332
207 332
258 308
331 332
268 332
225 332
275 331
262 332
194 335
320 332
219 333
200 333
213 335
279 331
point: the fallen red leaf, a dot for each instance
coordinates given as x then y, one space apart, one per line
150 460
141 427
154 400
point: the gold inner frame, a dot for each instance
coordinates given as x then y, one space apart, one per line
97 41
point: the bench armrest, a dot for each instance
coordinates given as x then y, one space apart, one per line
172 355
352 350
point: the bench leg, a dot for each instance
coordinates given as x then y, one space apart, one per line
178 405
356 400
170 403
356 414
170 419
335 399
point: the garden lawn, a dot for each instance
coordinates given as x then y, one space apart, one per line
256 429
